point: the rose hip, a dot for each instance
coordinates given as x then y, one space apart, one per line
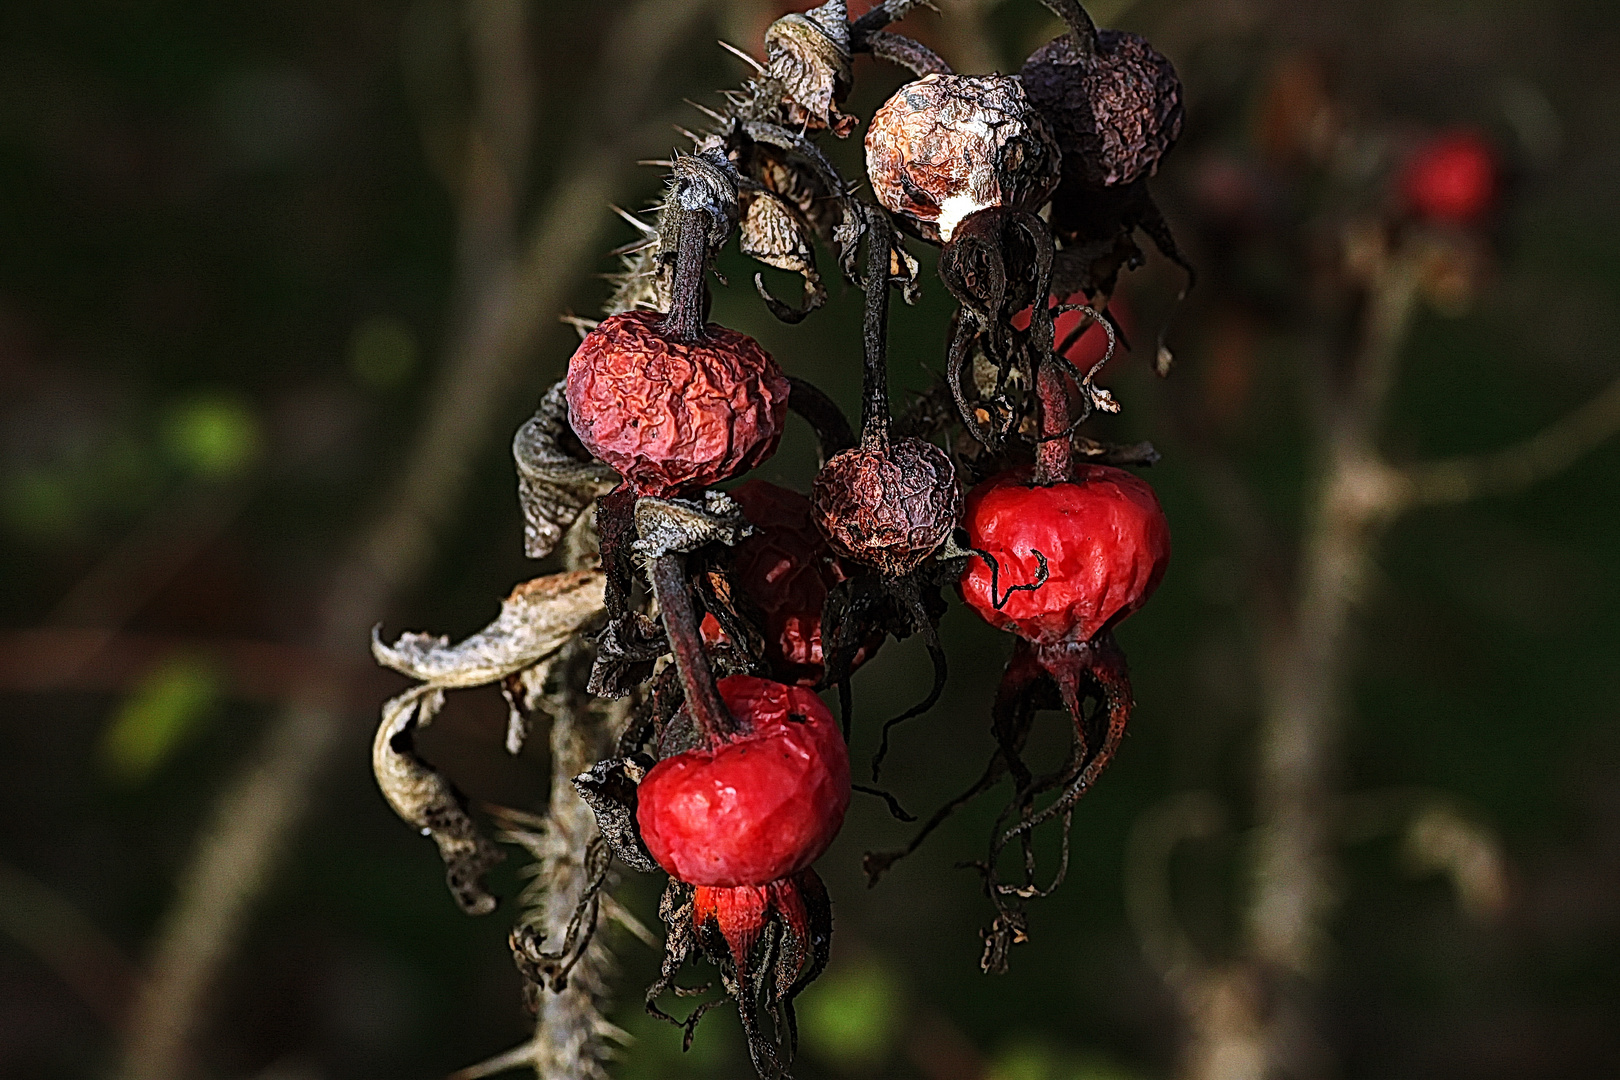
761 806
786 569
946 146
1451 179
670 415
1112 101
1103 537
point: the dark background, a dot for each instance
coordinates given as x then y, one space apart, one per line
227 251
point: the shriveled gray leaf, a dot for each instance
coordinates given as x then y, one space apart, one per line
609 789
773 231
669 525
556 478
428 801
535 621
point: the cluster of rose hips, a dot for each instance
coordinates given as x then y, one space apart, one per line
734 777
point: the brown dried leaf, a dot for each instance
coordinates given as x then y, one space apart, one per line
429 802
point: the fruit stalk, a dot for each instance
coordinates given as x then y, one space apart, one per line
1080 25
685 320
875 419
680 623
1053 453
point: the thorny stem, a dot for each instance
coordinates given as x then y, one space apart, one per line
875 333
236 855
680 622
684 322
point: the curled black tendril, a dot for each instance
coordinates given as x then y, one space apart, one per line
1041 576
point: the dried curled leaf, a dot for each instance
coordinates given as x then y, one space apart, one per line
428 801
775 233
809 55
609 789
557 479
535 621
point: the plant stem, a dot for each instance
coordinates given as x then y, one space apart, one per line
685 319
875 417
1052 457
1081 28
680 622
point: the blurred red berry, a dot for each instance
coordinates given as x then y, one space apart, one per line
1452 179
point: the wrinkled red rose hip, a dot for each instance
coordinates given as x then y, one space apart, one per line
1104 537
671 415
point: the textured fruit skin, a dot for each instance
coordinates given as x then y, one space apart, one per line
1114 117
1451 179
888 508
1105 539
946 146
761 807
786 568
671 415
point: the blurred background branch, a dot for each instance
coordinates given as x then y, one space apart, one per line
512 295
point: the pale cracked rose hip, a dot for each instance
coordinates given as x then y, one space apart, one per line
762 805
669 415
947 146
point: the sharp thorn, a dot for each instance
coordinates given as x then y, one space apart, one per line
744 57
641 226
718 118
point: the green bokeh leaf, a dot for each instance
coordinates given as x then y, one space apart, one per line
168 706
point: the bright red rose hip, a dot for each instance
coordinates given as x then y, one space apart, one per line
1104 537
760 807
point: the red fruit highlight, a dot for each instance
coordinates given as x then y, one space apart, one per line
671 415
1451 179
760 807
786 569
1104 537
1092 344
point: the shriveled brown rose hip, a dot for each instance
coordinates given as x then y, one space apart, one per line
946 146
889 507
1113 102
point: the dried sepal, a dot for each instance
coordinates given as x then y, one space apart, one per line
557 479
535 621
808 53
429 802
664 526
706 181
774 232
609 789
